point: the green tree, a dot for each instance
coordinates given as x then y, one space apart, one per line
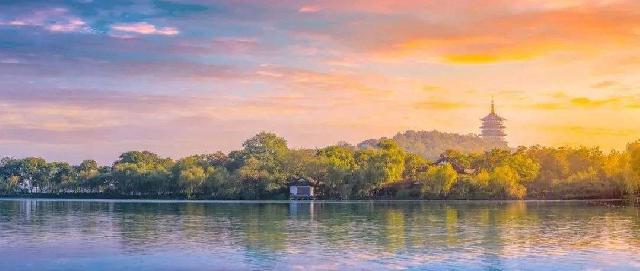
62 175
261 165
33 172
439 180
335 170
458 160
414 165
377 167
220 184
143 173
632 177
504 183
88 178
526 168
192 180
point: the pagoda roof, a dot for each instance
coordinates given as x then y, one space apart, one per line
492 116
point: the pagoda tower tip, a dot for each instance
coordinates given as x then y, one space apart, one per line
493 107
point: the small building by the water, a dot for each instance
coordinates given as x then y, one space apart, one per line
301 189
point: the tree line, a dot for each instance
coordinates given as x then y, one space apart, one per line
265 167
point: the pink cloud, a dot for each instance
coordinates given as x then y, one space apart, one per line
73 25
309 9
142 28
17 23
53 19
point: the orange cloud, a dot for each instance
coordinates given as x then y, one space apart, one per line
497 31
584 131
430 88
587 102
468 49
631 102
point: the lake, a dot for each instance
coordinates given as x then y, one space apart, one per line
405 235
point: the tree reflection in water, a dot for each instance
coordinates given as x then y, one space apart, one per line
322 235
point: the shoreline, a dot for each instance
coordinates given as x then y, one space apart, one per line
4 198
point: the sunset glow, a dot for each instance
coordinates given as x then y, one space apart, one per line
91 79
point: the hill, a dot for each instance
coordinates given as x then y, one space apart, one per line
430 144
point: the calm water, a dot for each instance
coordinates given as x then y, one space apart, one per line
156 235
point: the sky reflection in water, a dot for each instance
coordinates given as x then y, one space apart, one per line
156 235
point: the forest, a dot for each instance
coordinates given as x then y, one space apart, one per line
380 169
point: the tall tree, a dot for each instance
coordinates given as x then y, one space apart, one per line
261 164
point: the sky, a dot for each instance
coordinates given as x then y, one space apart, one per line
84 79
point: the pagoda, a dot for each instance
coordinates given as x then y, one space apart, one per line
492 127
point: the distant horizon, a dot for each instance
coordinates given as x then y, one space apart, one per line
92 79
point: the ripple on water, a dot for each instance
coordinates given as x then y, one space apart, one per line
112 235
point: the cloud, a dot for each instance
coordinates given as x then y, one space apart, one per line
604 84
51 19
326 82
627 61
43 66
141 28
549 106
18 134
82 116
338 69
431 88
72 25
480 32
475 58
10 61
225 46
594 103
281 104
585 131
91 99
235 45
309 9
566 102
79 116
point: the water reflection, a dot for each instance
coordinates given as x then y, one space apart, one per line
108 235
